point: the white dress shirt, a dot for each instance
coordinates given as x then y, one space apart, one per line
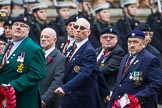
47 52
15 45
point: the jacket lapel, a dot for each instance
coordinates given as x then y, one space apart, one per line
133 64
122 67
75 57
51 56
18 50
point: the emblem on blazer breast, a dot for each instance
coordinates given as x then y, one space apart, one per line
76 69
20 60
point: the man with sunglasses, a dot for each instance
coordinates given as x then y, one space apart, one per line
80 88
109 55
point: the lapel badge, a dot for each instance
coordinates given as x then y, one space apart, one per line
7 62
102 65
20 67
62 45
136 61
20 59
76 69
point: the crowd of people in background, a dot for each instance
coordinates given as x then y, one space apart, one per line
81 60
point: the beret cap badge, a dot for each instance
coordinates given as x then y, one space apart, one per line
25 19
133 34
111 30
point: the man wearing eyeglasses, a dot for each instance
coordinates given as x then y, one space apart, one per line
80 87
109 55
23 66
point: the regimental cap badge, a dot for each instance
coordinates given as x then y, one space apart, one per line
111 30
133 34
25 19
136 34
10 22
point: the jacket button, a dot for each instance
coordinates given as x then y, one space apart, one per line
120 85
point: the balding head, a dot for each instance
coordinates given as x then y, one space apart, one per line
81 29
48 38
84 21
49 31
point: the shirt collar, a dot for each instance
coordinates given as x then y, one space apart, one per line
47 52
79 44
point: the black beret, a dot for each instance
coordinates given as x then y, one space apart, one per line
72 18
3 38
143 27
109 30
8 21
22 19
136 34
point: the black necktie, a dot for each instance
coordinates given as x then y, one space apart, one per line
127 66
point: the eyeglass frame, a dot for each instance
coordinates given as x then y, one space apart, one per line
109 37
80 27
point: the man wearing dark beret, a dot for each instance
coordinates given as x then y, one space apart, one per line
22 66
139 76
148 38
145 28
8 28
64 43
109 55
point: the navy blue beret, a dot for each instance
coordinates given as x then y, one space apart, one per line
143 27
109 30
72 18
22 19
136 34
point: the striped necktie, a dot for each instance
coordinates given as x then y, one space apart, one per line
70 55
127 66
6 55
66 45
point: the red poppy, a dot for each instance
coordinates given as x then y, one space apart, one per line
7 94
49 59
133 103
107 53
